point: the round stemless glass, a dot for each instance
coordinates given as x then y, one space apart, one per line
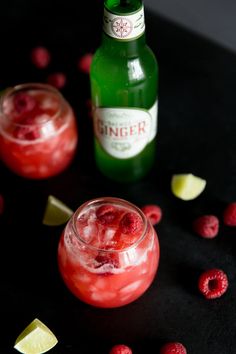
108 254
38 131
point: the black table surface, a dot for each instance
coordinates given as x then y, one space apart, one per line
197 129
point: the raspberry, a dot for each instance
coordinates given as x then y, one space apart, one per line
23 103
173 348
153 213
1 204
26 133
106 214
120 349
206 226
130 223
40 57
84 63
229 215
57 80
110 259
213 283
27 129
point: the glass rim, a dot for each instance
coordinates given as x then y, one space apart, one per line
110 200
34 86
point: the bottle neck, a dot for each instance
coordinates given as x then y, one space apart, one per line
124 7
123 48
123 23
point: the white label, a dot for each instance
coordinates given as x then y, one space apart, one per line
124 132
124 27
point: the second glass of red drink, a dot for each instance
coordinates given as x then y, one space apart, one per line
38 131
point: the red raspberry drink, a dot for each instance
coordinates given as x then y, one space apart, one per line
38 132
108 254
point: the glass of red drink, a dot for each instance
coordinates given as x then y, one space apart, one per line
38 131
108 254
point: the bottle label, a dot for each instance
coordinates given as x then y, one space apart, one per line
124 27
125 132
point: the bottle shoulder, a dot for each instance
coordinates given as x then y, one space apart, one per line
125 71
122 55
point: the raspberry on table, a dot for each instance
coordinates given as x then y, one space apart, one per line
84 63
173 348
206 226
229 215
130 223
153 213
40 57
106 214
57 80
120 349
213 283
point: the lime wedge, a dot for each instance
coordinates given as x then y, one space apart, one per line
2 92
56 212
187 186
35 339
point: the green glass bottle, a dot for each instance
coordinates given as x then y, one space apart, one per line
124 82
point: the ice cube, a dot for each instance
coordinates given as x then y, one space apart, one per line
103 296
88 232
50 102
108 235
47 129
91 216
101 283
70 145
8 106
131 287
81 278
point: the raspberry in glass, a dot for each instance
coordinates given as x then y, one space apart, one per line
153 213
213 283
84 63
26 132
206 226
40 57
229 215
120 349
106 214
130 223
57 80
111 259
173 348
23 103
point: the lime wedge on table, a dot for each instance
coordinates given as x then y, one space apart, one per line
35 339
2 91
56 212
187 186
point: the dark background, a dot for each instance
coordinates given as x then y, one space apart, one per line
197 132
214 19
